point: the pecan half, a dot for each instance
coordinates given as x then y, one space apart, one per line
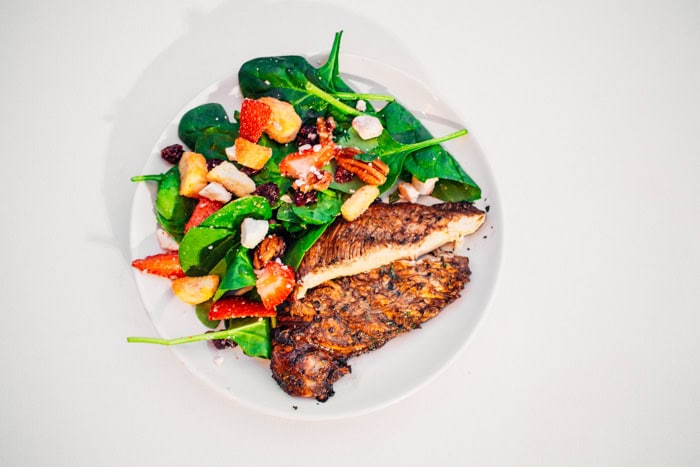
269 249
372 173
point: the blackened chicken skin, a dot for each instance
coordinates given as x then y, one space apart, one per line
382 234
352 315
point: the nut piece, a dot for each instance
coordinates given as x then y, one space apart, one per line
216 192
367 126
232 179
372 173
354 206
269 249
408 192
195 290
284 123
424 188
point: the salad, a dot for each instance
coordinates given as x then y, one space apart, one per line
251 189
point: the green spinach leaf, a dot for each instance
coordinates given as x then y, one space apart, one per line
205 245
201 118
432 160
239 272
251 334
172 209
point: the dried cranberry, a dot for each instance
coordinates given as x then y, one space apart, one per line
301 198
172 153
248 170
221 344
269 190
211 163
307 135
343 175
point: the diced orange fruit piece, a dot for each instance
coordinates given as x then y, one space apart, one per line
251 155
195 290
284 123
193 174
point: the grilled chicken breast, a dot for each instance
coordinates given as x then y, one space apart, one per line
351 315
382 234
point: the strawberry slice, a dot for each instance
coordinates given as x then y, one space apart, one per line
238 307
254 118
274 283
299 165
163 265
204 208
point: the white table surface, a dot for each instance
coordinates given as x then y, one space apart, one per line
589 113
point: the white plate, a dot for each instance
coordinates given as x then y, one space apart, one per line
381 377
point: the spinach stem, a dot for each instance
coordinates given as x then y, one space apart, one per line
224 334
429 142
368 97
146 178
318 92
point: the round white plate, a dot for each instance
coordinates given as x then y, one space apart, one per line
378 378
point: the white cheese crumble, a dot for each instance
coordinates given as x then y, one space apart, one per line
253 231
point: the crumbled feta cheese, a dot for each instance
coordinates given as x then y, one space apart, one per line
426 187
367 126
216 192
361 105
304 147
253 231
166 241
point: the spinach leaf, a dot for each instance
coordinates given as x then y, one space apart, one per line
239 272
251 334
212 143
432 161
296 253
232 214
292 79
205 245
313 92
201 118
202 248
289 220
172 209
202 312
322 211
392 152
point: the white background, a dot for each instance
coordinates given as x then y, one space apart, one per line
589 113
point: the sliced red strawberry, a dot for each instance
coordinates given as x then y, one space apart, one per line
254 118
163 264
299 164
205 208
274 283
238 307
